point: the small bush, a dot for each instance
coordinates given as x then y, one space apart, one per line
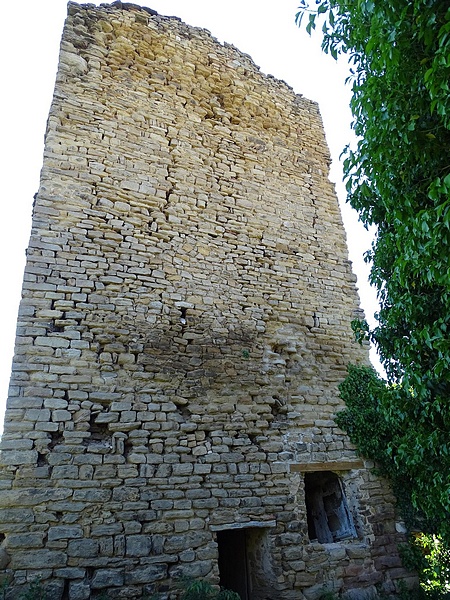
203 590
35 591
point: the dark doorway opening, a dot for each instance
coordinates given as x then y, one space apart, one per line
233 561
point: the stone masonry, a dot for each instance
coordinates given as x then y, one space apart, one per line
184 326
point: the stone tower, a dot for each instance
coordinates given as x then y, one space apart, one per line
184 326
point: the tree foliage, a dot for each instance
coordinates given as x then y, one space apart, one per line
374 428
431 558
371 419
398 178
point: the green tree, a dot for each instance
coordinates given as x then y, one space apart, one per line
398 178
379 435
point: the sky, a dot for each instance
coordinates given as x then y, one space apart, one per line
29 46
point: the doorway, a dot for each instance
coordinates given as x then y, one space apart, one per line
233 561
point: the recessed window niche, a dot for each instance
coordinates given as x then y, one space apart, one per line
329 519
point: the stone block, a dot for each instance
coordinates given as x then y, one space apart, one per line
38 559
16 515
191 570
63 532
107 529
18 457
16 444
138 545
70 573
79 590
356 551
146 575
106 578
61 415
92 495
85 548
26 540
5 558
65 472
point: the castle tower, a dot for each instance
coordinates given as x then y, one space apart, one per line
184 326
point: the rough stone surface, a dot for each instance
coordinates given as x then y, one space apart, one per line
184 326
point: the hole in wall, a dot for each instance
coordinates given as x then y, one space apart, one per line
127 448
53 328
252 438
42 460
99 431
184 412
56 438
278 408
328 517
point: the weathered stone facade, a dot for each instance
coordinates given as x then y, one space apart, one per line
183 330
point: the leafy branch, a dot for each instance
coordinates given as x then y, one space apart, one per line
398 179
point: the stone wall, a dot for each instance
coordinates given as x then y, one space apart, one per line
184 326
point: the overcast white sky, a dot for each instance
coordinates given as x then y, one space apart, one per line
29 47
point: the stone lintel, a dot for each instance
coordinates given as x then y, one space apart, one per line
333 465
245 525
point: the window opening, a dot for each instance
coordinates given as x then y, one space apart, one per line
328 516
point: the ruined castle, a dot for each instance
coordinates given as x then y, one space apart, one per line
184 326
